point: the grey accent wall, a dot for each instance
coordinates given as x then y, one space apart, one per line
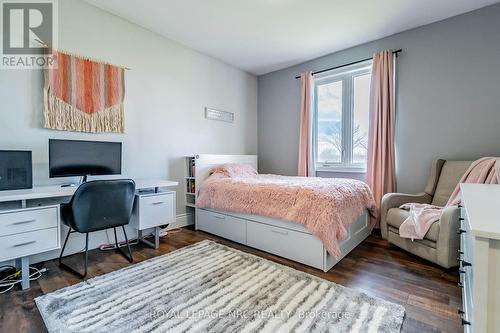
448 97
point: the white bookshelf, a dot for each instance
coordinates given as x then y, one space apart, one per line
190 186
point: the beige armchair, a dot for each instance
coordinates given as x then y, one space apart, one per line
441 243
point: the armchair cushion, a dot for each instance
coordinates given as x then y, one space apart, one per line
451 172
396 216
432 182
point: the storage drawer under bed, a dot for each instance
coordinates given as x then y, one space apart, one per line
290 244
222 225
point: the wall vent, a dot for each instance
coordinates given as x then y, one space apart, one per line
214 114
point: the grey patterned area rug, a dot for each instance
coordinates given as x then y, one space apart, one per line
208 287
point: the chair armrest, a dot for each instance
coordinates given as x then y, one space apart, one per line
448 241
394 200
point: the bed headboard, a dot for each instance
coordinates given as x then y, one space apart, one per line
205 162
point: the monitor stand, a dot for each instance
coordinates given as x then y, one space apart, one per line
83 179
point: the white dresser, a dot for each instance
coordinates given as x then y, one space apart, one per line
480 257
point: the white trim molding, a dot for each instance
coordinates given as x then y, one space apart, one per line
182 220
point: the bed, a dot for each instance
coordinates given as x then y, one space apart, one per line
290 237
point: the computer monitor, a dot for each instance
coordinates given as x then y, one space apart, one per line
70 158
15 170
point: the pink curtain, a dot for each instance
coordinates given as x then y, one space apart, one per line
381 151
306 168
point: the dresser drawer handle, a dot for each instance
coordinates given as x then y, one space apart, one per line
24 222
279 232
461 231
461 271
461 219
24 244
465 263
465 322
460 285
158 203
220 217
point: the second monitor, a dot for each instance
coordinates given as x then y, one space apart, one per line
75 158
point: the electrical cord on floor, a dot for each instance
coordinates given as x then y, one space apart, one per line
11 280
6 270
107 247
163 234
171 231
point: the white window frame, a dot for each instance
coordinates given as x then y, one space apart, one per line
346 75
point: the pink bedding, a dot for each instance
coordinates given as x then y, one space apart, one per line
325 206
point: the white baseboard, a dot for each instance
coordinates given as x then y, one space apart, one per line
182 220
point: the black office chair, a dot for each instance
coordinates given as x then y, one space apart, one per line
99 205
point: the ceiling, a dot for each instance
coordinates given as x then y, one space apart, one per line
261 36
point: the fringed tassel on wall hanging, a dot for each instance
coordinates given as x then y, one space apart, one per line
83 95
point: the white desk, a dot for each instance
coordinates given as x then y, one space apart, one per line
29 219
54 191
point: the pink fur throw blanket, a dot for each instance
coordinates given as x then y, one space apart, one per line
485 170
325 206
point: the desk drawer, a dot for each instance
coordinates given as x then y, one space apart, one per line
28 220
226 226
156 210
28 243
290 244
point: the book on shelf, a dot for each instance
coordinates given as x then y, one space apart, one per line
190 166
190 186
193 167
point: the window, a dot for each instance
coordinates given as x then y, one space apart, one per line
341 119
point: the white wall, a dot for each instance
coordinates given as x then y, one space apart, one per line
167 89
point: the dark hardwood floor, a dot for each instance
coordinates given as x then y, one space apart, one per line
429 294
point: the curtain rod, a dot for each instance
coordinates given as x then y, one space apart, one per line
349 64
